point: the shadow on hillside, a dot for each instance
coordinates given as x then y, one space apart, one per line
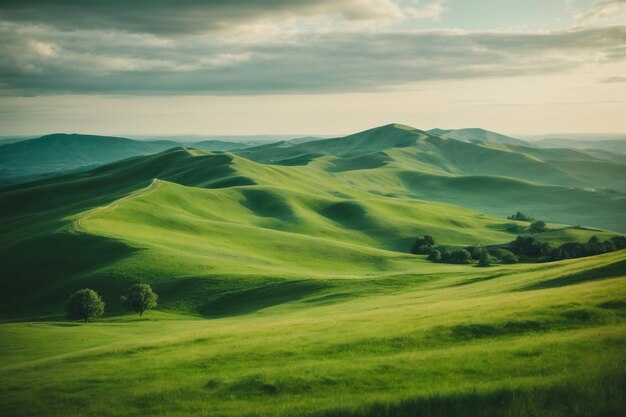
40 273
267 204
247 301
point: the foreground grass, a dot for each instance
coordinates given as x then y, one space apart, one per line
487 343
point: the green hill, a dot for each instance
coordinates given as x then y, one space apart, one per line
413 149
62 152
59 153
477 135
184 216
511 340
212 214
286 287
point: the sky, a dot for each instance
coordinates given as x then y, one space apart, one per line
244 67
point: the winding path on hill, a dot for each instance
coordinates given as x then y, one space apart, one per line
76 224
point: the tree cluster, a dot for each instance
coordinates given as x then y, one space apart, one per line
530 247
522 246
86 304
427 246
423 246
519 216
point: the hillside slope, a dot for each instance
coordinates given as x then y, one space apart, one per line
190 219
426 152
211 215
62 153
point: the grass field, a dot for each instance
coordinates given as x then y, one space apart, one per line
517 340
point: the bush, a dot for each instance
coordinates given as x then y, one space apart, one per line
140 298
84 304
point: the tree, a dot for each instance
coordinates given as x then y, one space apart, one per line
538 226
485 259
84 304
140 298
475 251
519 216
460 256
526 245
619 242
434 256
506 256
423 246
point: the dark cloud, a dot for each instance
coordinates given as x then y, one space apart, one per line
45 61
167 17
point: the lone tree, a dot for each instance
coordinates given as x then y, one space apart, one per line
84 304
140 298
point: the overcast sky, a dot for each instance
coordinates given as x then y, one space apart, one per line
311 67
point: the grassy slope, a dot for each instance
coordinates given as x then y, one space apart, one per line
499 196
507 340
555 184
257 222
282 292
60 152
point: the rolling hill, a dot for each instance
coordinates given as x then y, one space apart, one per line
478 135
417 150
286 287
56 154
216 214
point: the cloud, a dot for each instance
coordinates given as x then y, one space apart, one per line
166 17
40 60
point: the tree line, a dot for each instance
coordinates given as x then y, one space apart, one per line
484 256
522 246
530 247
86 304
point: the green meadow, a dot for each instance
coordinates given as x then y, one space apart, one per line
286 286
515 340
